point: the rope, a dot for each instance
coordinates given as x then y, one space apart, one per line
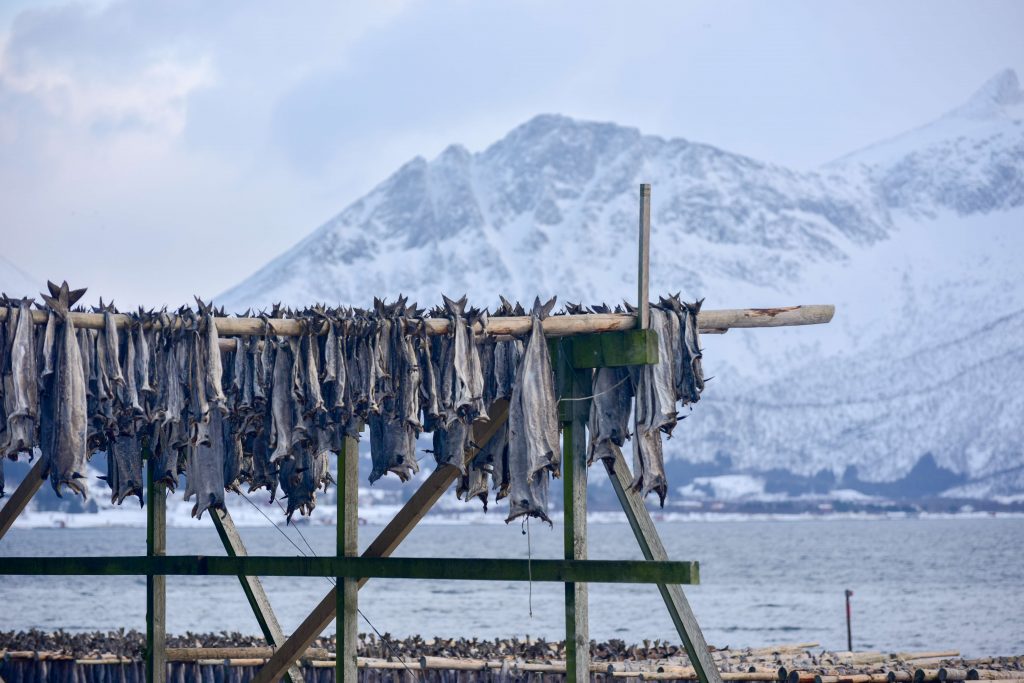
529 562
600 393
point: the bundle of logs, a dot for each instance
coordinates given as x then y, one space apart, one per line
266 408
117 657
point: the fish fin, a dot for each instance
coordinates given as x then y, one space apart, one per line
542 311
455 307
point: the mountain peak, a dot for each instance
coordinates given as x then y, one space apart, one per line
995 98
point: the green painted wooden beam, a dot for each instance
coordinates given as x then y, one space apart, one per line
589 571
615 349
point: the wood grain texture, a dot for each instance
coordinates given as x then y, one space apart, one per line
555 326
643 276
347 605
574 505
156 584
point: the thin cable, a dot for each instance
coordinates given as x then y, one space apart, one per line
529 562
334 583
272 522
600 393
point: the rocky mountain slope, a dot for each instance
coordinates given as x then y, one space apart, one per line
916 239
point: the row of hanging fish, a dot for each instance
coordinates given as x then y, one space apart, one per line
268 410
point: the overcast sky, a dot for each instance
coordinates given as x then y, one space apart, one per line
150 150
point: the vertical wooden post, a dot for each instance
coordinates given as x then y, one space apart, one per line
156 586
643 311
346 632
576 385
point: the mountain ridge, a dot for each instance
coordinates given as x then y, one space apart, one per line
913 238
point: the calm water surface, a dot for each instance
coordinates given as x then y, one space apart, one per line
918 584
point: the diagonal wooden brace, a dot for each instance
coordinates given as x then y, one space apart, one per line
653 549
18 501
253 588
389 538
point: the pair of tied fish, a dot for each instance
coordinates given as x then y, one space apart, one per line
44 394
653 391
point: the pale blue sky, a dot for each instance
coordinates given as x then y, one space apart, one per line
154 149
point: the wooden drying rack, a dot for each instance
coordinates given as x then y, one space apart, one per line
578 344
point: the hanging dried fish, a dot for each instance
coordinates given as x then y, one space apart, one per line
205 469
610 409
533 425
63 418
124 468
23 394
655 408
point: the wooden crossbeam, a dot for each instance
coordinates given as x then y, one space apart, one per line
439 481
18 500
555 326
252 586
653 549
363 568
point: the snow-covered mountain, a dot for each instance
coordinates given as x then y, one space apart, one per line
917 240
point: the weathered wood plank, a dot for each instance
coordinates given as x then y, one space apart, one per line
156 583
18 501
574 505
439 481
615 349
653 549
555 326
363 568
347 606
643 279
252 586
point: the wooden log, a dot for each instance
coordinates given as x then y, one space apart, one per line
555 326
194 654
951 674
439 481
644 262
18 501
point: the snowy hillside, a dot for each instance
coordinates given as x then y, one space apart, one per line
916 239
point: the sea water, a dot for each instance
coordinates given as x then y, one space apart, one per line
918 584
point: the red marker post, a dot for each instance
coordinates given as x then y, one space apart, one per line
849 633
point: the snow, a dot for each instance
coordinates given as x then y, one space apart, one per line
915 239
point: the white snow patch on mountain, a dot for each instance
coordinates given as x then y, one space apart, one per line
916 239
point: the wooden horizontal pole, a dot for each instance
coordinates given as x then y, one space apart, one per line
555 326
194 654
480 569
